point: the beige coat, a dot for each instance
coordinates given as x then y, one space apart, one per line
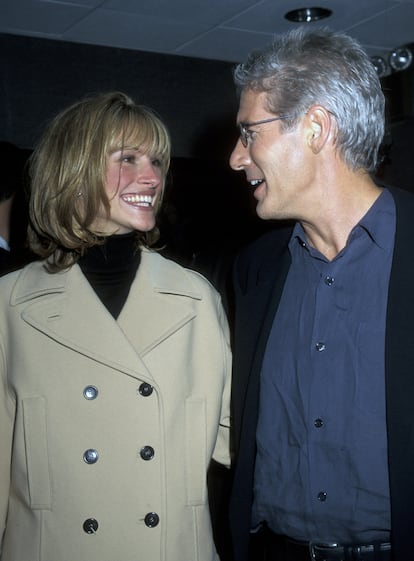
107 427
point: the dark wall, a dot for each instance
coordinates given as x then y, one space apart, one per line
39 77
209 209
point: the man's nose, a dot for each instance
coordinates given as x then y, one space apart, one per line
240 157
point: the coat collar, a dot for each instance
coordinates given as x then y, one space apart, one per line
65 308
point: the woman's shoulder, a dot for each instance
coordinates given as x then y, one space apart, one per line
27 279
170 271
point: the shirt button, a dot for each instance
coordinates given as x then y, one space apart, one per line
329 280
147 453
90 456
90 526
145 389
90 392
320 346
322 496
152 519
318 423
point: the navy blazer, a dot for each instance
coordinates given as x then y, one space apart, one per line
259 276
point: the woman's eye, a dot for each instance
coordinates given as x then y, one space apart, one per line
128 159
156 162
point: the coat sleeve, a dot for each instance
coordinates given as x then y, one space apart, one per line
6 438
222 449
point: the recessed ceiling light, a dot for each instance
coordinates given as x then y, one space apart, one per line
306 15
400 58
380 66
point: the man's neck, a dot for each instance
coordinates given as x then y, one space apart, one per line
330 230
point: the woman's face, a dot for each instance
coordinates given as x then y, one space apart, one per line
133 183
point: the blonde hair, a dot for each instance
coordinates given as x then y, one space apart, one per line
68 168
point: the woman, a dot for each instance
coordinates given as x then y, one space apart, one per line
114 361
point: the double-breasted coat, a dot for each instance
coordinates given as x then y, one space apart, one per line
260 275
107 427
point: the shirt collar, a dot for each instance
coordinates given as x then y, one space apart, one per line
378 222
4 244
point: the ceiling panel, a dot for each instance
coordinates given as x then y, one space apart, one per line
213 29
136 32
207 13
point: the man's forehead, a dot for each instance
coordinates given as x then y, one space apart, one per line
251 102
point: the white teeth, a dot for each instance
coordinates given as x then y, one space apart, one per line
138 199
255 182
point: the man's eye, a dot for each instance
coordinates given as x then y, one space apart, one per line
250 135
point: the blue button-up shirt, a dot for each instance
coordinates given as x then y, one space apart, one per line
321 468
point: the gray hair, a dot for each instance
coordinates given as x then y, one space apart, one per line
306 67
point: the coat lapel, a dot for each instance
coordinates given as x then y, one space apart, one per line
65 308
159 303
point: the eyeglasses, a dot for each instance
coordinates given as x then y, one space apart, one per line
245 134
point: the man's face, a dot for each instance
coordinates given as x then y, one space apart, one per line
278 165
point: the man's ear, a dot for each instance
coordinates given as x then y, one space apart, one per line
320 127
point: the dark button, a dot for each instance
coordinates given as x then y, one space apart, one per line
320 346
152 519
90 392
90 526
329 280
145 389
91 456
147 452
322 496
318 423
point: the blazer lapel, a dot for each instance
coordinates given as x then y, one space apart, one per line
257 304
399 372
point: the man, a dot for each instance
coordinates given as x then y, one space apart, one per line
324 307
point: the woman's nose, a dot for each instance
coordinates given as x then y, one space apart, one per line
150 173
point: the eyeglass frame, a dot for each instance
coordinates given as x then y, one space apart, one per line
244 138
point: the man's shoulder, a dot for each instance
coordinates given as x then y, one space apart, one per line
268 245
263 258
404 206
401 197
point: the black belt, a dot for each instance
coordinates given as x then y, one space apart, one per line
274 546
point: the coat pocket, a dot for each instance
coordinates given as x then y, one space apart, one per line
37 457
195 428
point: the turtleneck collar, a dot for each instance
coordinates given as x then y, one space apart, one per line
111 268
117 253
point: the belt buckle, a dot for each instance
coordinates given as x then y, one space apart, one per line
313 545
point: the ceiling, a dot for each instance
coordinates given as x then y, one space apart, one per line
211 29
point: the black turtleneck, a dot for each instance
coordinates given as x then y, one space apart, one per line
110 269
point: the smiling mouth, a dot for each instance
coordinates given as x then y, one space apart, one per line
256 182
138 200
